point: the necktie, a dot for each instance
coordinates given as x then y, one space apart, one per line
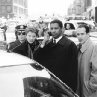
54 41
79 46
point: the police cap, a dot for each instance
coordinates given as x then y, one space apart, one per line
20 28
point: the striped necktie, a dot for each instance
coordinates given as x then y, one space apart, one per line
54 41
79 46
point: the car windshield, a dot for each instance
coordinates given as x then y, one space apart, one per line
45 87
69 26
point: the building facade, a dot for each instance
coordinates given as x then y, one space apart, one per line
92 10
11 8
88 8
78 7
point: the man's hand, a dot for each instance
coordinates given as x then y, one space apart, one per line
46 39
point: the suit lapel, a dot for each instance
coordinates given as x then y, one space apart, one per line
86 45
64 41
51 44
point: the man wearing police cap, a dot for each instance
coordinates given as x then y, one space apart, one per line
20 37
28 47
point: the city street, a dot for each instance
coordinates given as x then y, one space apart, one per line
37 60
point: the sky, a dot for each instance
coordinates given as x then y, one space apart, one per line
38 8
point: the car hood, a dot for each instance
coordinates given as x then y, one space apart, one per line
7 59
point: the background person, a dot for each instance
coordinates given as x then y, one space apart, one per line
4 27
59 58
68 27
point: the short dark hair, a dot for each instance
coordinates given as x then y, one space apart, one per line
33 30
58 22
86 27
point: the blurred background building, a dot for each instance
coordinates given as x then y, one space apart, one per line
11 8
86 8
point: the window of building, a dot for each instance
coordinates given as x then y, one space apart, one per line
20 2
25 11
9 9
89 3
3 1
15 1
25 3
3 9
15 9
9 1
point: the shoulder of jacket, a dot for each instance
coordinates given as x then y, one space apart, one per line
68 41
37 42
12 42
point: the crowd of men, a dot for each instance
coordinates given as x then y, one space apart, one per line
75 65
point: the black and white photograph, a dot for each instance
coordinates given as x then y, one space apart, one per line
48 48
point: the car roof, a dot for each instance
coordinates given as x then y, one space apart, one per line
72 22
90 22
8 59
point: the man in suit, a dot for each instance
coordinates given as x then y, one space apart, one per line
87 64
59 58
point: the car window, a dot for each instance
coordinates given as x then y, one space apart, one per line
43 87
71 26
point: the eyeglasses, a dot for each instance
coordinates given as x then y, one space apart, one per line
22 33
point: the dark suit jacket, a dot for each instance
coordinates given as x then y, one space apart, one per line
14 44
26 50
61 59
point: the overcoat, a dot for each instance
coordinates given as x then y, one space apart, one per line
26 49
13 44
60 59
87 70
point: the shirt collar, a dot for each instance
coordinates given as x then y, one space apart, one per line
58 39
86 45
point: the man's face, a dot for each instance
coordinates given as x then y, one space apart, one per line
56 31
31 37
21 36
81 34
68 26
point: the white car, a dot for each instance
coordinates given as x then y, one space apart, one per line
72 30
74 25
23 77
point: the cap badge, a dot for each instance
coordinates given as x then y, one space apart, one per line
21 27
